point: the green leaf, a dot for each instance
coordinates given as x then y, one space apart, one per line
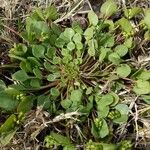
51 13
104 131
51 77
103 105
107 40
70 46
93 19
105 100
76 95
146 17
62 140
18 49
37 73
20 75
35 83
77 27
51 52
55 92
110 23
125 25
103 111
44 101
124 110
115 99
89 90
109 8
69 33
146 99
130 13
129 42
92 47
147 35
89 32
94 130
108 146
6 138
103 53
114 58
2 85
25 105
77 38
145 75
142 87
66 103
38 28
60 43
121 50
123 70
9 124
34 62
38 51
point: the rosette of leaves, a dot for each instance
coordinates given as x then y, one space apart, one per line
62 62
66 68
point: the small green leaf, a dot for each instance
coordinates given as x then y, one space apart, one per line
6 138
62 140
105 100
70 46
37 73
44 101
146 99
35 83
77 38
69 33
147 35
38 51
115 99
104 131
121 50
77 27
92 47
66 103
124 110
130 13
18 49
123 70
142 87
125 25
20 75
129 42
51 13
145 75
25 105
9 124
103 53
93 19
55 92
146 17
51 52
2 85
76 95
109 8
89 33
89 90
103 111
51 77
114 58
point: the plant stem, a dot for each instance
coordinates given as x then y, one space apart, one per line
8 66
